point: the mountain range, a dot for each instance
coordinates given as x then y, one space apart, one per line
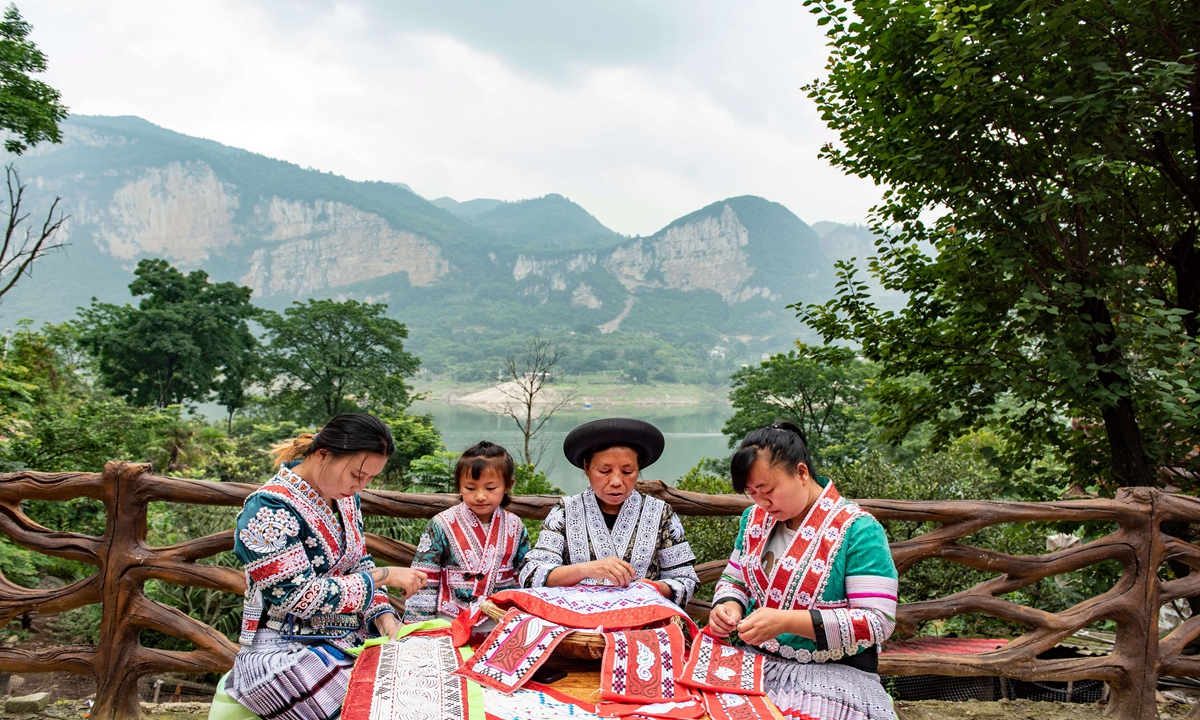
720 275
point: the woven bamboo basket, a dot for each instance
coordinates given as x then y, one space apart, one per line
580 645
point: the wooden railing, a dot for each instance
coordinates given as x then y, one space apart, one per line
125 562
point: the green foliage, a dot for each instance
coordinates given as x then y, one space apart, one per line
1055 144
80 626
821 390
175 346
711 538
528 480
331 357
30 110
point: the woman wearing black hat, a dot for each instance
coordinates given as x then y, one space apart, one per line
610 533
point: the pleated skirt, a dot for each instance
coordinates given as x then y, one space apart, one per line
280 680
823 691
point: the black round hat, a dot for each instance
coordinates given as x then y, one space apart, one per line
640 435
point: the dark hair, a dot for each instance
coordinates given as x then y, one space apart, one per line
786 447
345 434
641 454
483 455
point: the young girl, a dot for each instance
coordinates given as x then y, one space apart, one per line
475 548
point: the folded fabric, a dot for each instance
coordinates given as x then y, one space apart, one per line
718 666
734 706
594 606
639 666
687 709
513 651
410 678
535 702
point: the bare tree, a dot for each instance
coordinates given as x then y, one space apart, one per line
531 406
23 245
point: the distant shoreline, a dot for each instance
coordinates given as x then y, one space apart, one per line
598 394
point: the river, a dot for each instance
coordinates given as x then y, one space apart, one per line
691 431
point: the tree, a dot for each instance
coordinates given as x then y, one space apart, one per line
331 357
530 404
821 390
1055 142
174 346
23 245
30 110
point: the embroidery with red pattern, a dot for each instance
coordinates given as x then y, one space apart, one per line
640 665
720 667
513 651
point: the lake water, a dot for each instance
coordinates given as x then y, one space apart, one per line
691 431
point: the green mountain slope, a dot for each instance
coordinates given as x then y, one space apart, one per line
546 223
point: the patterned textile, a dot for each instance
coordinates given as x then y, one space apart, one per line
536 702
639 666
410 678
812 691
513 652
648 535
593 606
720 667
289 681
687 709
733 706
464 563
838 566
302 560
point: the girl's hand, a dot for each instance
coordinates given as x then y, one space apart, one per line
724 619
407 580
614 570
767 623
662 588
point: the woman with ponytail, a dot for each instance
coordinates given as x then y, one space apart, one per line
311 589
810 585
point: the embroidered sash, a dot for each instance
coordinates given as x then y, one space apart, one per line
730 706
639 666
513 651
717 666
485 561
798 578
410 678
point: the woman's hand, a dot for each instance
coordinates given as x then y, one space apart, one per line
388 625
767 623
407 580
616 571
724 618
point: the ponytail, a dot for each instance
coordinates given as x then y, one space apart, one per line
289 451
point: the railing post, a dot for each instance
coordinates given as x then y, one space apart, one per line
1136 646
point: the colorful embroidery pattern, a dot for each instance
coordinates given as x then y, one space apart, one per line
534 703
720 667
639 666
513 651
410 678
269 531
592 606
731 706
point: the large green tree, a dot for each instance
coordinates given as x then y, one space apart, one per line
30 110
821 390
1041 215
178 343
329 357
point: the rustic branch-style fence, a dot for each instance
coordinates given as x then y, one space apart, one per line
125 562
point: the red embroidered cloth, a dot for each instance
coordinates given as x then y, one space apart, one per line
593 606
732 706
718 666
513 651
640 665
409 678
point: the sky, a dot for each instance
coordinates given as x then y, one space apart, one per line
641 112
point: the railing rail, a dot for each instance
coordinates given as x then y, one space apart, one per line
125 561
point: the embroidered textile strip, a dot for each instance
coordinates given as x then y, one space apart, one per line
639 666
731 706
717 666
593 606
410 678
513 651
686 709
535 701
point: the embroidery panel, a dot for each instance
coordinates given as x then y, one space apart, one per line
410 678
639 666
729 706
718 666
513 651
591 606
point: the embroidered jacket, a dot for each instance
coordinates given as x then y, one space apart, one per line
838 566
647 535
464 564
302 560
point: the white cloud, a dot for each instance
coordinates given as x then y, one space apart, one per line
658 124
